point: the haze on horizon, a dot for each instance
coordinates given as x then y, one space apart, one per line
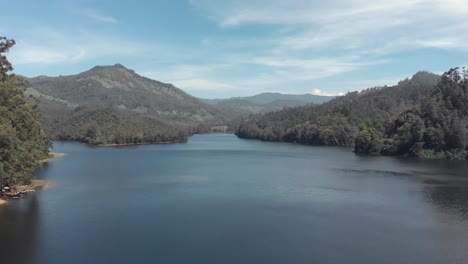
218 49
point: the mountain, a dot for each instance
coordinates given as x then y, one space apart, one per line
425 116
114 105
265 102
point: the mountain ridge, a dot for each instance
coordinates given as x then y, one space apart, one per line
113 93
423 116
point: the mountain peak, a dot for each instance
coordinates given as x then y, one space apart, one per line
116 69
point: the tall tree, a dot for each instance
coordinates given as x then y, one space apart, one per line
5 65
22 141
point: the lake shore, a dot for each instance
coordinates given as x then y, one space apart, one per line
52 155
35 183
137 144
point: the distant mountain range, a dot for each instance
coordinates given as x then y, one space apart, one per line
114 105
265 102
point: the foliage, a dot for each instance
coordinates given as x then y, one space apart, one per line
102 126
22 141
425 116
114 105
5 65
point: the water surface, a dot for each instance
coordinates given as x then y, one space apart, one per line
220 199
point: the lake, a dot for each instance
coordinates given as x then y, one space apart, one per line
220 199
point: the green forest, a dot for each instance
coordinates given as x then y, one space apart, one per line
22 141
112 105
425 116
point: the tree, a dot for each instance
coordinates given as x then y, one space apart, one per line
22 141
5 65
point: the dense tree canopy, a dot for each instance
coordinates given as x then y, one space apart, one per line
114 105
22 141
423 116
438 126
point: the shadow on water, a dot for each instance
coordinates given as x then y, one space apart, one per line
19 226
19 230
445 184
450 198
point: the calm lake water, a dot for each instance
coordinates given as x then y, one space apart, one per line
219 199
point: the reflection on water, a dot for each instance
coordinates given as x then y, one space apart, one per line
452 199
19 230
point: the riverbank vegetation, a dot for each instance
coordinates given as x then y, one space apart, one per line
23 143
425 116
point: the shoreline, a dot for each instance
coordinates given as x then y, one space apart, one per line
144 143
34 185
135 144
52 156
20 190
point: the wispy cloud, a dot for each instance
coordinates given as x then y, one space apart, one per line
317 68
56 47
203 85
96 15
316 40
254 46
24 54
354 25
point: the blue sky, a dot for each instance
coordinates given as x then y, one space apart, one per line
216 49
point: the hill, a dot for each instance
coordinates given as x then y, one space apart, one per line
265 102
423 116
114 105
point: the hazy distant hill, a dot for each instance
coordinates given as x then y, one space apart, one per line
265 102
112 104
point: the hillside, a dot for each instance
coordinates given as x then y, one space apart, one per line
265 102
423 116
114 105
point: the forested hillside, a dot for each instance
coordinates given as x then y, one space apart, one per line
114 105
22 141
423 116
435 128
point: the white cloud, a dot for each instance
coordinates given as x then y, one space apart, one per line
322 93
309 69
355 25
37 55
56 47
312 40
96 15
440 43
